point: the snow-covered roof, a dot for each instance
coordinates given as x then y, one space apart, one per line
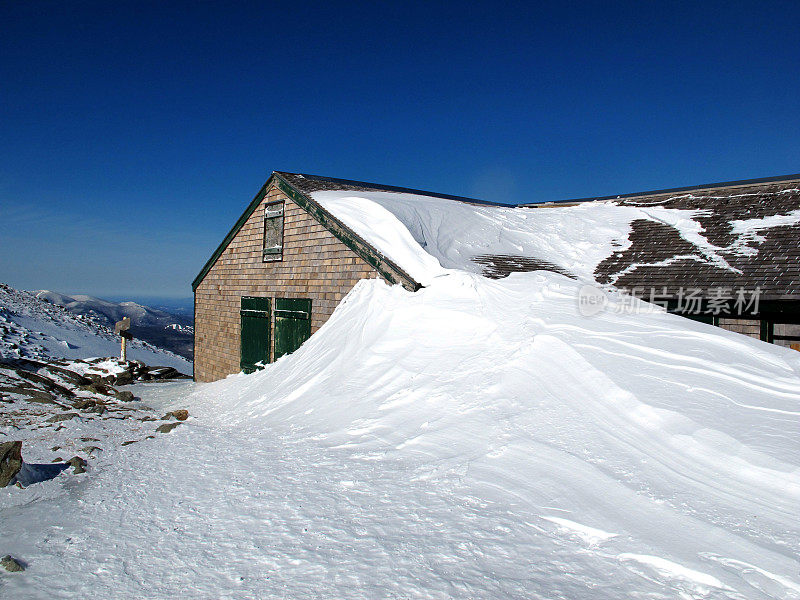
745 234
736 235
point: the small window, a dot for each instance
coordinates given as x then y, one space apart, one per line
273 231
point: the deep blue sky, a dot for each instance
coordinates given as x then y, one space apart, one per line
133 134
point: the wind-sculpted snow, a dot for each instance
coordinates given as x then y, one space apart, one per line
675 438
476 439
426 235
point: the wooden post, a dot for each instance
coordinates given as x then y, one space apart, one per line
121 327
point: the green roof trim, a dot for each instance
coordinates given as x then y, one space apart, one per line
387 268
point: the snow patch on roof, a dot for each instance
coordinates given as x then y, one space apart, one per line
748 229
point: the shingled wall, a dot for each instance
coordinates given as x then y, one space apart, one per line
315 265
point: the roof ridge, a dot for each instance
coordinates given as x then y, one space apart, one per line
393 188
705 186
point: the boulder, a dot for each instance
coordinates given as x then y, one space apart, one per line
85 404
62 417
78 464
123 378
124 396
167 427
98 388
181 414
9 563
10 461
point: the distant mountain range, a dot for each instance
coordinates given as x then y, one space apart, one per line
39 329
167 330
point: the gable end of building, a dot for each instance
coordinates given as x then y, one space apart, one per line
390 271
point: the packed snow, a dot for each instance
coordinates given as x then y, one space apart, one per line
475 439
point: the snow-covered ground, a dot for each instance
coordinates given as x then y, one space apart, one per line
476 439
33 328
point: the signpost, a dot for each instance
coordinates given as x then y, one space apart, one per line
122 327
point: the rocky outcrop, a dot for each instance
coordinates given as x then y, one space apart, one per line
167 427
181 415
86 385
11 564
10 462
71 398
14 470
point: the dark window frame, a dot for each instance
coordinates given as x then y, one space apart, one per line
272 247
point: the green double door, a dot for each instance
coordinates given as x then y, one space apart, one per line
292 328
255 317
292 324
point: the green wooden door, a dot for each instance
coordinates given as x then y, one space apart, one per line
254 332
292 324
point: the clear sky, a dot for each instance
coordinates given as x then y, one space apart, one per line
133 134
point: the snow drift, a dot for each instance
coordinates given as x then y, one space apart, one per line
475 439
639 451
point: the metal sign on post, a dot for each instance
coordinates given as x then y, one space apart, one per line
121 328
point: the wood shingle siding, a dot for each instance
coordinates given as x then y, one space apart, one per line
315 265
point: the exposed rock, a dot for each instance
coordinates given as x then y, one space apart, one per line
62 417
128 442
123 378
9 563
10 461
165 373
180 414
31 373
167 427
85 404
98 388
78 464
32 394
124 395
